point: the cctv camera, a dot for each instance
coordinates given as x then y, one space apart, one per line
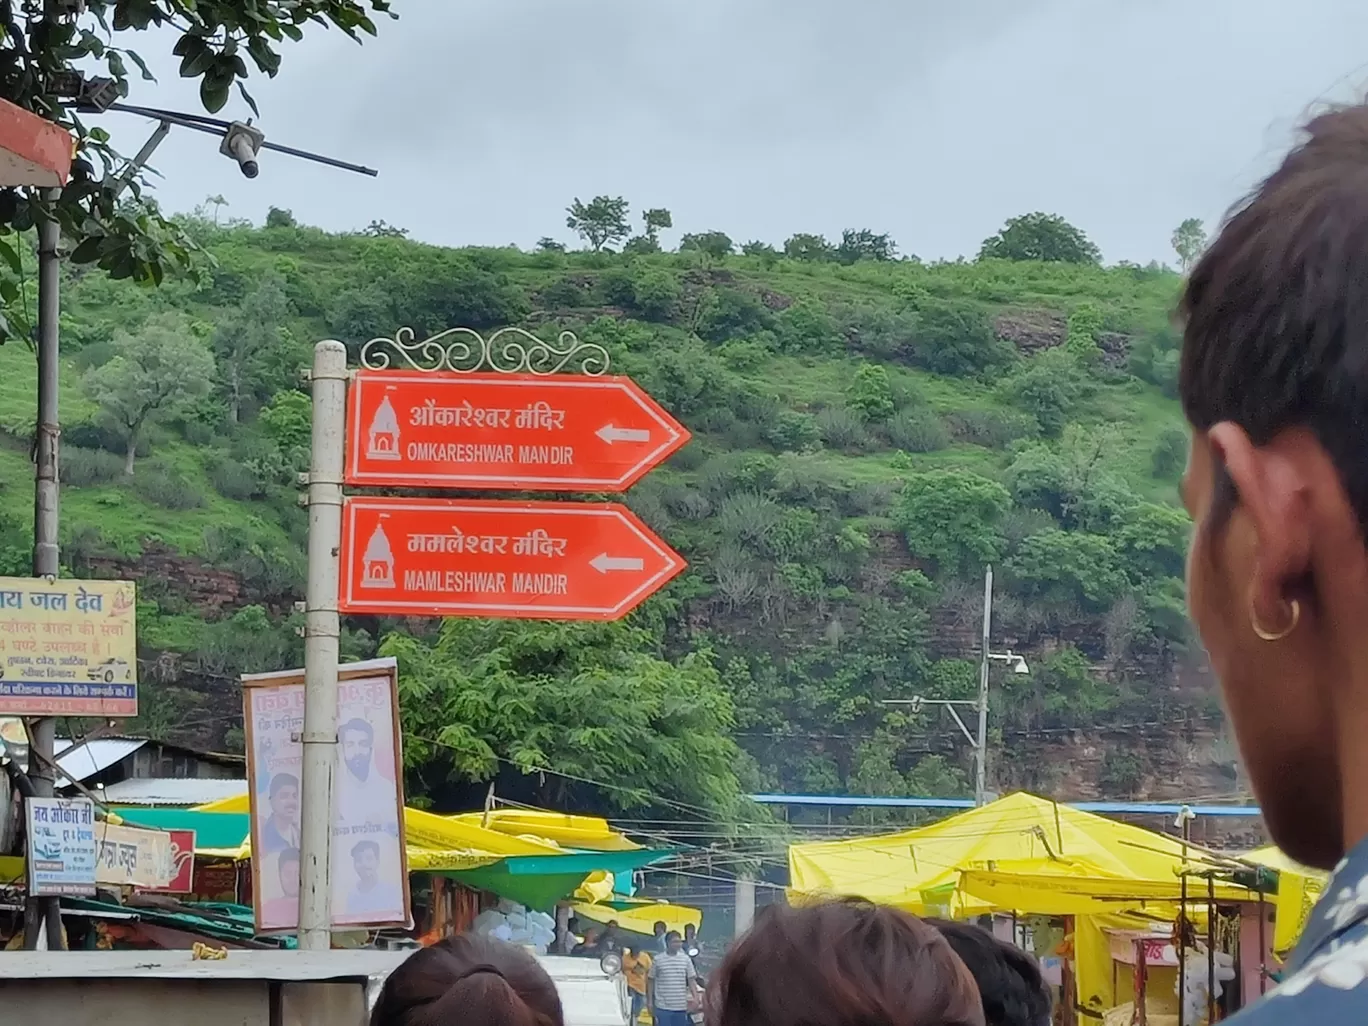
242 142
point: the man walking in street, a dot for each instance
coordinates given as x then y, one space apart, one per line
673 981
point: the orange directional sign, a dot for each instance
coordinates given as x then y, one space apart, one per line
562 432
535 560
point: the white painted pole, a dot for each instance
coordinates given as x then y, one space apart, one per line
329 382
981 745
745 903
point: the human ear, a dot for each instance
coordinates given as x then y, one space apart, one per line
1274 492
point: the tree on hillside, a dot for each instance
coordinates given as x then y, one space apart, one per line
595 702
45 46
712 245
1189 239
155 372
766 253
218 203
600 221
865 245
254 349
952 517
656 220
1038 236
278 218
806 246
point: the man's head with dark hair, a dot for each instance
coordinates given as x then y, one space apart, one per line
1009 981
1274 381
358 742
366 861
283 795
673 942
842 963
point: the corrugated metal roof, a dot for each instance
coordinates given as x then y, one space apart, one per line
83 760
172 791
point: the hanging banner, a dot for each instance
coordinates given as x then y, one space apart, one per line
133 857
182 863
68 648
62 847
369 864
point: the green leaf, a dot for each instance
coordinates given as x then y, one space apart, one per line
266 58
247 98
11 256
196 64
142 66
214 92
88 250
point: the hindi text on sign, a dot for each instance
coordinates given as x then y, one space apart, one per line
560 433
489 558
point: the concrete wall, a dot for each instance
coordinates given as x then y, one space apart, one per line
137 1002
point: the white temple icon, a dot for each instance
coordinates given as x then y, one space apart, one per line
377 565
382 441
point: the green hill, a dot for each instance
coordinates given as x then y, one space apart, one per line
867 434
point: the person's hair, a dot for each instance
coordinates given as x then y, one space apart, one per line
1276 311
473 980
280 781
659 928
673 935
842 963
688 927
1009 982
361 846
357 725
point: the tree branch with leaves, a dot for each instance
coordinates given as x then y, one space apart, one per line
45 48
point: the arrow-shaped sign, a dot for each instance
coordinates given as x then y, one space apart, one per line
612 434
523 432
459 557
604 562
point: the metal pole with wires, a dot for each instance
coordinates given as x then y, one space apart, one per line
45 914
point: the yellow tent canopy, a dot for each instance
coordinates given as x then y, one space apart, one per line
1299 888
920 869
1076 887
643 917
588 833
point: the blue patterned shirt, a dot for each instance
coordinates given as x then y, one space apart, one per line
1326 979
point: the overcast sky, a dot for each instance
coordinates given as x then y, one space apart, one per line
934 120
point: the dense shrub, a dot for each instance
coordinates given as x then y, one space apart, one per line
83 468
914 430
993 429
843 429
166 488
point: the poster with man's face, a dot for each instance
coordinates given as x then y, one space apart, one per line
369 872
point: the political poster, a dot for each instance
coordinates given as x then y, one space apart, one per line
62 848
369 866
68 648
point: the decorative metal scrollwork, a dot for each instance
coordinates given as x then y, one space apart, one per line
466 351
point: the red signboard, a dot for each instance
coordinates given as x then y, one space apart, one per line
535 560
183 861
523 432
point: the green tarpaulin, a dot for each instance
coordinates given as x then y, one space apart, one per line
539 881
212 829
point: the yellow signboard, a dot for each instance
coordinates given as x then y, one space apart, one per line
68 648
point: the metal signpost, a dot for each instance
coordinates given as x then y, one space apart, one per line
461 410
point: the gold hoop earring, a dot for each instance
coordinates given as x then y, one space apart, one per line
1266 635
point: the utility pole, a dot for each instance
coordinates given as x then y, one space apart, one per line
981 743
329 385
42 732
